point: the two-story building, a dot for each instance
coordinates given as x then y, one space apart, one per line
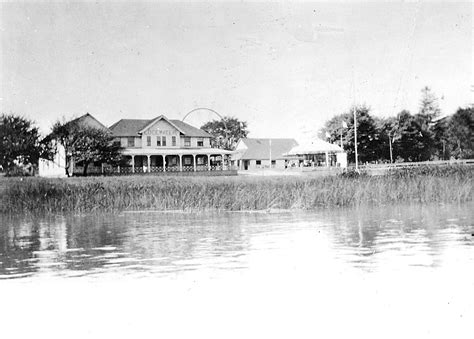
161 145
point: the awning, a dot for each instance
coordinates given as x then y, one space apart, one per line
317 146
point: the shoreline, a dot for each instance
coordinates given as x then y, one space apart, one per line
237 193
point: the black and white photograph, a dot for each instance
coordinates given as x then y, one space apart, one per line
236 169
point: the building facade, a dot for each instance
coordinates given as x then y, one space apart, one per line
318 153
164 145
255 153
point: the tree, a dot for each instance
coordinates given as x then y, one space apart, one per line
414 142
440 132
85 144
388 131
19 142
460 133
226 132
429 108
367 134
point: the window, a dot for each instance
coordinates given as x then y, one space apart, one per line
163 141
273 162
158 141
148 141
187 161
173 141
187 142
200 142
259 162
131 142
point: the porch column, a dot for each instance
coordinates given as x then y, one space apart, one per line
222 155
327 159
194 162
180 162
208 162
164 163
133 164
149 164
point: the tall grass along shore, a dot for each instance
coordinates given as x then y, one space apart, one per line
78 195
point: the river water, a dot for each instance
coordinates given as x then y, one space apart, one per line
396 271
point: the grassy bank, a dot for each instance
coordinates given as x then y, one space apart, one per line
79 195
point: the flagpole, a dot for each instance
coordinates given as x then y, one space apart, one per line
270 143
355 139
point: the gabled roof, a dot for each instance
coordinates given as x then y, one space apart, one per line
161 117
259 149
189 130
89 121
128 127
133 127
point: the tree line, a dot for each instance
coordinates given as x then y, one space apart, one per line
21 145
406 137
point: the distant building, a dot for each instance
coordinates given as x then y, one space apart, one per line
149 145
55 168
318 153
162 144
253 153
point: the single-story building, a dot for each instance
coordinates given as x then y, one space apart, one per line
317 153
255 153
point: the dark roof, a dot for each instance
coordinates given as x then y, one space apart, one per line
131 127
128 127
259 149
89 121
190 130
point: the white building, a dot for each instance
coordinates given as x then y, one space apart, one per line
318 153
55 168
164 145
253 153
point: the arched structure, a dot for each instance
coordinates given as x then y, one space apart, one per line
212 111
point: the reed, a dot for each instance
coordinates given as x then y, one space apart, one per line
85 195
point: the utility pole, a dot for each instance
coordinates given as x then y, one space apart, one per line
390 144
355 139
270 143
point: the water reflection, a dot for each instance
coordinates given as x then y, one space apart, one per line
155 244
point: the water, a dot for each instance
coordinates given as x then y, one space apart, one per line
397 271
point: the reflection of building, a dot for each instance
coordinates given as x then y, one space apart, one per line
163 145
319 153
254 153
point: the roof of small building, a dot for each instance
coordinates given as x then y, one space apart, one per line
88 120
132 127
316 146
259 149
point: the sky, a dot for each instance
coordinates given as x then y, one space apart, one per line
285 68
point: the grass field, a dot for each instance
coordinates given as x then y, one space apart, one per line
82 195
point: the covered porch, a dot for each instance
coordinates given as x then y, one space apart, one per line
179 160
